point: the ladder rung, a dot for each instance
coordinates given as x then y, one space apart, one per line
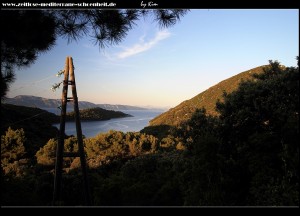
71 154
69 99
71 83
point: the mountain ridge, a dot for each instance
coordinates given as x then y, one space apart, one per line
207 99
40 102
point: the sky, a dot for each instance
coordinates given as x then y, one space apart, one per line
163 67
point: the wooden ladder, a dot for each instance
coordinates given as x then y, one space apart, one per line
60 154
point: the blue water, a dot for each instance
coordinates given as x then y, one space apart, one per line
136 123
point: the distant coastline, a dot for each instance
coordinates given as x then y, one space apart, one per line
42 103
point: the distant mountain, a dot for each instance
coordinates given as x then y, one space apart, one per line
158 108
119 107
42 103
207 99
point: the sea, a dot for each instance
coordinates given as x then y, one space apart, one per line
139 120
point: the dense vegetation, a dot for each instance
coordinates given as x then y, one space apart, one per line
248 154
96 114
36 124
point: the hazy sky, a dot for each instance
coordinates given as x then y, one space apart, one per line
163 67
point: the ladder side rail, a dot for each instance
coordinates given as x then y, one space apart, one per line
79 134
60 144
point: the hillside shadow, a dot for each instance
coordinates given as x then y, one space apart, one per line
159 131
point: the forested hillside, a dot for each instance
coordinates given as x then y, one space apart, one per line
206 99
35 122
